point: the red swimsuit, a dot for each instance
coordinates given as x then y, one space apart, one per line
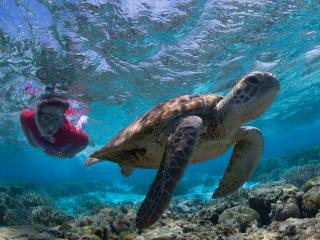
68 135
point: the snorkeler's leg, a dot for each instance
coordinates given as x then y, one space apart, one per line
81 124
82 121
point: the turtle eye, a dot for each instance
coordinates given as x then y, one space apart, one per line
252 80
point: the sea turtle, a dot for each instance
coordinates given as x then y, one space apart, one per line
191 129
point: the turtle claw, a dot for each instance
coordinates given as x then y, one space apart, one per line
90 161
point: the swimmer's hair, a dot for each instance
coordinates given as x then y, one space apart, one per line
51 100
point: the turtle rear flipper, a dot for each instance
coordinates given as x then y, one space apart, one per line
126 170
177 155
244 160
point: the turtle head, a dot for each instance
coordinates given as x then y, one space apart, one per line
252 96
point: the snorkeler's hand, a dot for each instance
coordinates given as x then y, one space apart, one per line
58 154
67 151
52 152
56 151
46 147
91 143
50 138
35 141
30 138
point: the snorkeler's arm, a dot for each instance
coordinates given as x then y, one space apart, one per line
78 140
28 135
74 150
27 132
67 151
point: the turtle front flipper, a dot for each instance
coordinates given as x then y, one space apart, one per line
244 160
177 155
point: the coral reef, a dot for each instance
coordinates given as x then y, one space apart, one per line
18 207
261 198
299 175
48 216
286 209
242 216
87 204
294 167
273 211
311 198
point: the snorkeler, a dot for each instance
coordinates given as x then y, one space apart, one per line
48 128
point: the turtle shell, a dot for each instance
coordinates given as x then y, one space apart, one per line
144 132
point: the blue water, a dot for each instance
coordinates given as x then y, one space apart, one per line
122 57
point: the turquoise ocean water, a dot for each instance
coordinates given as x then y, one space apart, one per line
123 57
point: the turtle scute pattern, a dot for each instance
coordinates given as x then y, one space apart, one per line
162 113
